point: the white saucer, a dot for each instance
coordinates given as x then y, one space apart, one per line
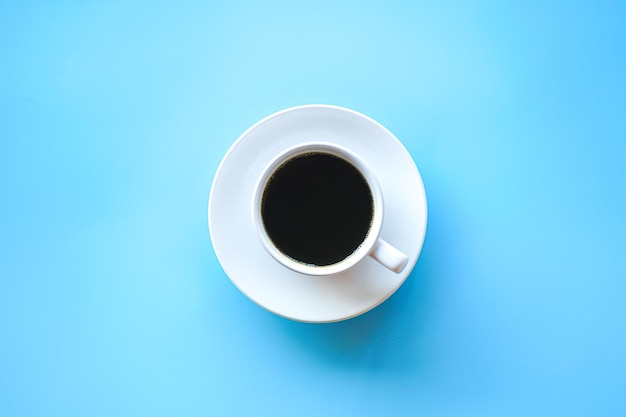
287 293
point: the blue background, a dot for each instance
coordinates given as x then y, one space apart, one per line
114 116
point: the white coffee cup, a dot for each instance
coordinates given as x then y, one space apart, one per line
372 245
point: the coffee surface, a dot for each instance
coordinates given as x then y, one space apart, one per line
317 208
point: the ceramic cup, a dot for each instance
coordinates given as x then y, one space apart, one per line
372 245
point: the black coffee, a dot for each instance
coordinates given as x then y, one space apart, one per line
317 208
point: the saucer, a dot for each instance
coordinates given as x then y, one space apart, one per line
316 299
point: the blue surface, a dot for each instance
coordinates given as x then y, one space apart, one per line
114 117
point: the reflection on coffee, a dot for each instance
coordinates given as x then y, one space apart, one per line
317 208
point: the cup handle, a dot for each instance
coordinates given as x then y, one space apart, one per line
388 256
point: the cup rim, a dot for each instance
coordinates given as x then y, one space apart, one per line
377 219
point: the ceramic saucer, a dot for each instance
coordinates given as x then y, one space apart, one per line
280 290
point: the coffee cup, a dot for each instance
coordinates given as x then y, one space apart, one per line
318 210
